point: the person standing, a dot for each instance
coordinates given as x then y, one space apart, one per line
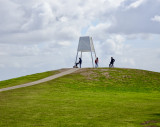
80 62
96 62
112 62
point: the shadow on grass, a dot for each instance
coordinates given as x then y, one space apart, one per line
156 114
152 123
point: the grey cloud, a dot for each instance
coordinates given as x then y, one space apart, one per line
18 50
10 14
136 20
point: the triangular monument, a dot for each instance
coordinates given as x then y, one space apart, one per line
86 45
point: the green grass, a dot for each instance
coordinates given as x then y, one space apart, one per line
26 79
88 98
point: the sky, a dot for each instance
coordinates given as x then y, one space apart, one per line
38 36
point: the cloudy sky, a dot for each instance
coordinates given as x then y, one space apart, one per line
42 35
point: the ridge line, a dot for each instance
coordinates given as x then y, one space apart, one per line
41 80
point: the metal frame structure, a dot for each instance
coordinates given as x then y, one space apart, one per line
86 45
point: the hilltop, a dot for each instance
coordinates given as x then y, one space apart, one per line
88 97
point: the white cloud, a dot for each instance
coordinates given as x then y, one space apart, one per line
128 61
136 4
19 51
99 31
40 17
156 18
64 43
114 45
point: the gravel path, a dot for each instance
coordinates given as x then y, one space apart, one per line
41 80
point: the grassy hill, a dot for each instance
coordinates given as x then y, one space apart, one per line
100 97
28 78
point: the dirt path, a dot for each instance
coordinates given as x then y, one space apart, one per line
41 80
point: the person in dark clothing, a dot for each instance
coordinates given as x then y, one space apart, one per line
96 62
80 62
112 62
76 64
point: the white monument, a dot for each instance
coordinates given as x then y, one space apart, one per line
86 45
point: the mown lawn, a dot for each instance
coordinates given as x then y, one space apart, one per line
88 98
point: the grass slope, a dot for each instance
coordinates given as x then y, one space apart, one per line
27 79
90 98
